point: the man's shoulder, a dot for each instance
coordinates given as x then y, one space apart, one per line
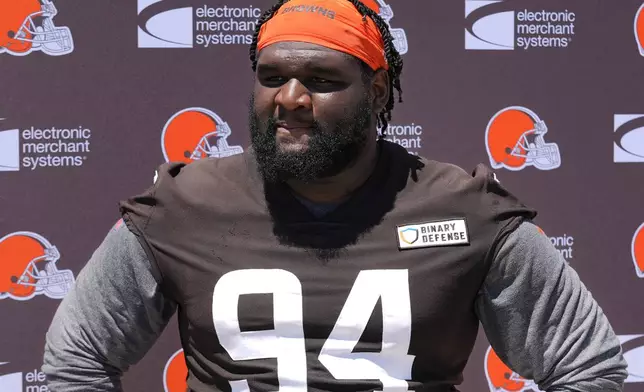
230 166
182 185
205 175
472 191
452 177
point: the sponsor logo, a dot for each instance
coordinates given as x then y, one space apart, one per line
406 135
428 234
633 351
638 28
32 147
175 373
33 381
409 235
628 145
196 133
514 140
28 267
27 26
564 244
193 24
510 25
637 250
164 24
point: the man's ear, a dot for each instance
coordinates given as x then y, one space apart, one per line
380 90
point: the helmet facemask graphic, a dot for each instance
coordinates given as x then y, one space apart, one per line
399 35
214 145
39 32
533 147
48 279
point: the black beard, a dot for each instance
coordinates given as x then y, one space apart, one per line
331 147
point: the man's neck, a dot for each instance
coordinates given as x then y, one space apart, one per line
338 188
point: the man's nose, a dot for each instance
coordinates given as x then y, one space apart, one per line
293 95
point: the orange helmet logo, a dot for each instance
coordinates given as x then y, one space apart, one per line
639 29
27 26
176 373
514 140
637 250
196 133
28 268
502 379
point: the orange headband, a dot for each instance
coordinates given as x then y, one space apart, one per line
335 24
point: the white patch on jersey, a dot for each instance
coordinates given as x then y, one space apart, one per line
430 234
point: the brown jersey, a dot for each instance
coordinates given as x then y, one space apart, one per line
376 295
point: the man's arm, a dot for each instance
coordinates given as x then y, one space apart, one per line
110 319
542 321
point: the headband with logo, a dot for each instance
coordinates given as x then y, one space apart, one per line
335 24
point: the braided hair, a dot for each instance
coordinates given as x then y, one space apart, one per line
392 56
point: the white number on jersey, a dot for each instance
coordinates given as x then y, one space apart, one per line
392 365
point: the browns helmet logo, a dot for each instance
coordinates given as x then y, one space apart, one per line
502 379
637 250
28 25
514 140
196 133
176 373
28 268
639 29
398 34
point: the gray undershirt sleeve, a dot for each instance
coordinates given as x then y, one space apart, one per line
108 322
542 321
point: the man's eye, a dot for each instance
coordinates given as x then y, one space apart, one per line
321 81
275 79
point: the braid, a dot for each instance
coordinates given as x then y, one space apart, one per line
393 59
263 19
391 55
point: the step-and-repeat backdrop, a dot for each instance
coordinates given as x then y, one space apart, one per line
95 94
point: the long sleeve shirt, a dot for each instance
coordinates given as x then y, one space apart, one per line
536 313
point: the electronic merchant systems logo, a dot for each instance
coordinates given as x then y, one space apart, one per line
34 147
19 381
516 24
166 24
628 144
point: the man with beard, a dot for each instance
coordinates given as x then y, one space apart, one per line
326 258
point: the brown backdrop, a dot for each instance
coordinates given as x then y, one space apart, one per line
84 129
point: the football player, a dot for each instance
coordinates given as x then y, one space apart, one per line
325 258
